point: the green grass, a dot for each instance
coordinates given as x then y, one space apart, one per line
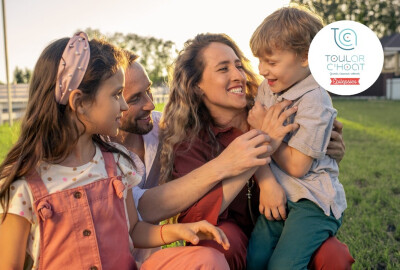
370 173
159 107
8 136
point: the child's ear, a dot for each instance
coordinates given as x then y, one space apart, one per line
304 61
75 101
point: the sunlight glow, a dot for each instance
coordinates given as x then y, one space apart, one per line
31 25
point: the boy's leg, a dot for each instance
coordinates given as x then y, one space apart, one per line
262 242
306 228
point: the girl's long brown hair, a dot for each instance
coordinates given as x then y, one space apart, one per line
48 133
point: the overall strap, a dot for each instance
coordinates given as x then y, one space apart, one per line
36 185
111 165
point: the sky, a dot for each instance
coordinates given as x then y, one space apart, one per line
33 24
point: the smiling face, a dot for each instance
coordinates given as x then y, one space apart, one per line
223 80
283 69
103 116
138 95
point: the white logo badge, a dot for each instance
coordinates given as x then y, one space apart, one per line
345 57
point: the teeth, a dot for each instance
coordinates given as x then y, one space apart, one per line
236 90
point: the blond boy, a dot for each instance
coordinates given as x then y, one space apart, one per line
307 176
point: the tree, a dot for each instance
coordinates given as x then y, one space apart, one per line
156 55
22 76
381 16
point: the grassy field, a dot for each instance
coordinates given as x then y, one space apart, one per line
370 173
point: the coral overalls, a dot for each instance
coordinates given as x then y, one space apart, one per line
83 227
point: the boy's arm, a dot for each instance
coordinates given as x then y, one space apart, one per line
291 160
272 196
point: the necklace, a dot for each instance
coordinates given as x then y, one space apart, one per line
250 184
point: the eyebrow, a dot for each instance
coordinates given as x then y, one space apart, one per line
271 58
227 62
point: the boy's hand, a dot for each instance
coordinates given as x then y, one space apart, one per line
202 230
272 201
256 115
273 123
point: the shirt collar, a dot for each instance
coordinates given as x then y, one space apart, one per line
223 135
299 89
216 130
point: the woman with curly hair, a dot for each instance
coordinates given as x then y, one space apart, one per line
212 88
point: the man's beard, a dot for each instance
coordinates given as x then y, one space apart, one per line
135 128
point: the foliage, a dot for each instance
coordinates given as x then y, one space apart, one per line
154 54
383 17
22 76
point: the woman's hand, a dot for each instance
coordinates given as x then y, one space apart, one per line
245 152
202 230
336 146
273 123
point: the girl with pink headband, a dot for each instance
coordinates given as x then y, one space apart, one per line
63 187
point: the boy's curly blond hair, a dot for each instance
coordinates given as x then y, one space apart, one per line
290 28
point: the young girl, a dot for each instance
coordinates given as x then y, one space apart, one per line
63 188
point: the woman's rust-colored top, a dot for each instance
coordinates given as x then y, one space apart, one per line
235 221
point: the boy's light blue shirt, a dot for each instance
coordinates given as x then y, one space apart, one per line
315 115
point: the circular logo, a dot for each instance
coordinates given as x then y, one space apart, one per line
345 57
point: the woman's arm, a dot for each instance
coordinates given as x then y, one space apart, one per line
169 199
145 235
14 233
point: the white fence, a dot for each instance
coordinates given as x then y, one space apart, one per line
393 88
19 97
20 93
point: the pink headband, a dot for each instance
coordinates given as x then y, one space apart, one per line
73 64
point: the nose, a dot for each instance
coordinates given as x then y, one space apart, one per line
123 105
238 74
149 105
263 69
